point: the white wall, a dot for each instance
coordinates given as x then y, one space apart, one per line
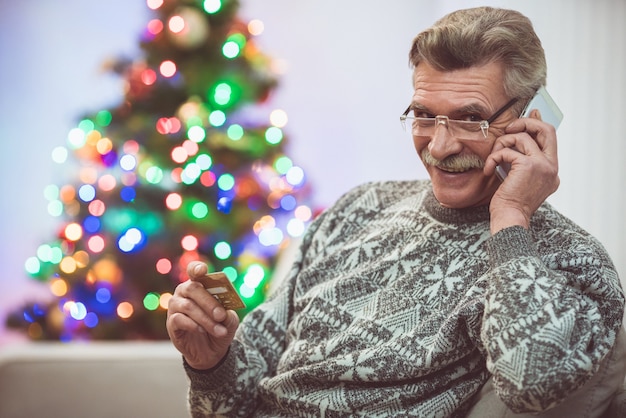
346 82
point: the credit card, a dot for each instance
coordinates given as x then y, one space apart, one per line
218 285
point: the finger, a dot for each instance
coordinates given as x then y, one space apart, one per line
231 322
209 304
206 318
192 299
503 155
178 322
520 142
196 269
542 133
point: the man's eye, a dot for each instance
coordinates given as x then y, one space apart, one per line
422 114
471 118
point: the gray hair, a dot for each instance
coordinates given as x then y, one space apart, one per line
478 36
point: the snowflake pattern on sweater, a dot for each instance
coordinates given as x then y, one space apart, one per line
396 306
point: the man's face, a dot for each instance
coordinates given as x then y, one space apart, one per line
469 94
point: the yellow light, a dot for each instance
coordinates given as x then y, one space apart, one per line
125 310
58 287
164 300
265 222
88 175
93 137
73 232
82 258
107 270
104 146
67 194
256 27
35 331
278 118
68 265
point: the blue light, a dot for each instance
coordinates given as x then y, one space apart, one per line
132 240
103 295
92 224
87 192
28 318
224 204
288 202
91 320
128 194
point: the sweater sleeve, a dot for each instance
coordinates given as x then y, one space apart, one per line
230 388
551 315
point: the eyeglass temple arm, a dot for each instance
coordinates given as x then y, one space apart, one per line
502 110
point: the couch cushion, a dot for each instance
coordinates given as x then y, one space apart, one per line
118 379
592 400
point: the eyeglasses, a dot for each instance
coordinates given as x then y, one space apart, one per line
461 129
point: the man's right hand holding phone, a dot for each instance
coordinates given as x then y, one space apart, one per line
199 327
529 146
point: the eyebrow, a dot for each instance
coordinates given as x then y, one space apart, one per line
473 108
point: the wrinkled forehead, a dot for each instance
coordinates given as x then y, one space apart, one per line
480 87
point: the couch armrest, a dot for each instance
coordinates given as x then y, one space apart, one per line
92 380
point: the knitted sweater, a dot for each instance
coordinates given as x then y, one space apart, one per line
396 306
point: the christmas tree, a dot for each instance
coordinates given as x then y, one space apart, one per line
190 165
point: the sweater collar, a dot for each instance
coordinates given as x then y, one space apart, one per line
454 216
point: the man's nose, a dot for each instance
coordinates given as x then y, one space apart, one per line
443 143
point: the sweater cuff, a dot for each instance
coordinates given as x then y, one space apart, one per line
218 374
510 243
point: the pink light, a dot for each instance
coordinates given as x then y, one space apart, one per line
163 126
191 147
131 147
176 175
173 201
207 179
107 182
179 155
164 266
148 77
97 207
176 24
168 125
95 244
189 243
167 68
155 26
154 4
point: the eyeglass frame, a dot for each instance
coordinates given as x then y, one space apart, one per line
484 124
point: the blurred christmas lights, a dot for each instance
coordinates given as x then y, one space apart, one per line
179 171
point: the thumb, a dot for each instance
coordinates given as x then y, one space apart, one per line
196 269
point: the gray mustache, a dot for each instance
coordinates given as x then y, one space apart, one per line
453 162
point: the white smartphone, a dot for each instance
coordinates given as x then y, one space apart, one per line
550 113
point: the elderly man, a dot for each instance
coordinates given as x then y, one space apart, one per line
409 298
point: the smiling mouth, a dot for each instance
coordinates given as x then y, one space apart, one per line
455 170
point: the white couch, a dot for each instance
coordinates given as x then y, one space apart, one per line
92 380
146 379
